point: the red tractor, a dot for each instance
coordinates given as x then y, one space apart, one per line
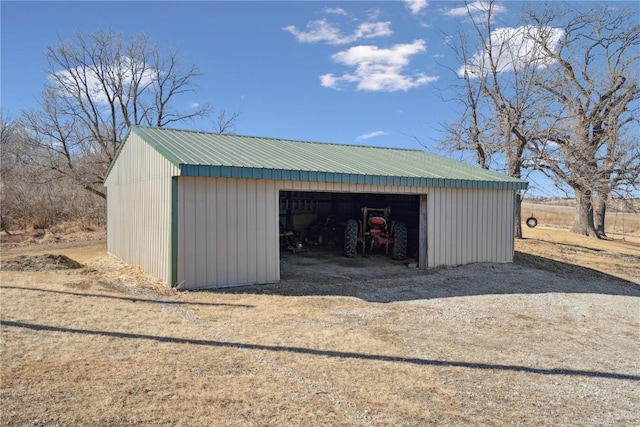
373 231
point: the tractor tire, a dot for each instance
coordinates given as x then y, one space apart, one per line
399 241
351 238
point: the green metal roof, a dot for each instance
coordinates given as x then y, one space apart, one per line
235 156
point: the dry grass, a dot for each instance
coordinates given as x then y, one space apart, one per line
619 225
65 232
108 345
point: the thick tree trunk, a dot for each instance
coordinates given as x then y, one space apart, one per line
517 232
583 222
599 212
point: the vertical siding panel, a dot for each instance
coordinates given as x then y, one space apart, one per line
475 203
508 233
500 225
455 213
475 240
430 229
181 230
272 252
449 241
460 225
200 231
451 213
470 226
493 219
495 216
482 196
463 241
189 216
437 225
512 216
445 224
488 221
220 230
440 227
261 229
252 232
211 232
231 231
487 227
499 230
242 236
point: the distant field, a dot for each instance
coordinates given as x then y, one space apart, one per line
617 224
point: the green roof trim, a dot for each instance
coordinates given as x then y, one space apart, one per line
235 156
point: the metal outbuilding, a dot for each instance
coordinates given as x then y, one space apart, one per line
202 210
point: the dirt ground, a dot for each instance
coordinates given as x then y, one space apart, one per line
551 339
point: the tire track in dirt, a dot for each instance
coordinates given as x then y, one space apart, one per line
362 415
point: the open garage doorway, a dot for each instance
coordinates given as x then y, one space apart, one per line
318 220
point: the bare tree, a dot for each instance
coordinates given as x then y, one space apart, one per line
33 197
99 85
592 91
226 121
7 169
497 93
466 133
620 173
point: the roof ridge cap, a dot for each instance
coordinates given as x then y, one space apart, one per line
281 139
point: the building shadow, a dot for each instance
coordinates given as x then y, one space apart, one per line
379 279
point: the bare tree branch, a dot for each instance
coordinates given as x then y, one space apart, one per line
100 84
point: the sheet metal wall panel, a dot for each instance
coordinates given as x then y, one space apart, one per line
212 217
233 235
139 208
252 232
233 239
261 225
466 226
218 232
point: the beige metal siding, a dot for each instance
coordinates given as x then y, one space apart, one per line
227 232
463 225
228 228
139 208
466 226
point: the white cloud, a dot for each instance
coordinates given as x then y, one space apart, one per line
335 11
476 8
322 30
416 6
194 105
66 82
373 14
371 135
378 70
513 49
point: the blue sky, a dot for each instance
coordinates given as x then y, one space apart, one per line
253 62
294 69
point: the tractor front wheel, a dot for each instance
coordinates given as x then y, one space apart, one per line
400 241
351 238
